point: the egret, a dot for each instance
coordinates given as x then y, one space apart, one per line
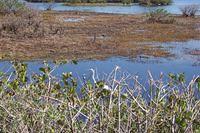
105 87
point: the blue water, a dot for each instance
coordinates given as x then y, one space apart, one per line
174 8
181 62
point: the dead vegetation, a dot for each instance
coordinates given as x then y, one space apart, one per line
28 24
190 10
97 36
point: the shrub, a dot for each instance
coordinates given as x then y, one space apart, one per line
25 24
29 24
11 6
161 2
75 1
49 5
126 2
44 103
189 10
159 16
155 2
101 1
94 1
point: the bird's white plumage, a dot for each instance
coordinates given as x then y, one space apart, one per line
106 87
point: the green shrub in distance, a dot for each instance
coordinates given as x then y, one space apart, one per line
126 2
92 1
101 1
11 6
75 1
155 2
159 16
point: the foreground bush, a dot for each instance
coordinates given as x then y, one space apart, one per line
190 10
44 103
155 2
159 16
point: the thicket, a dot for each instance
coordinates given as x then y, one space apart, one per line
190 10
155 2
159 16
42 102
11 6
89 1
125 2
23 22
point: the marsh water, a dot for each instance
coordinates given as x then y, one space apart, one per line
174 8
181 61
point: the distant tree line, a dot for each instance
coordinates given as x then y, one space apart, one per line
134 1
142 2
155 2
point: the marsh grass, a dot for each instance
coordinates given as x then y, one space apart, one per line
116 35
44 103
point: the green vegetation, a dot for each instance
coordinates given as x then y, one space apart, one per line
95 2
43 103
11 6
126 2
142 2
159 16
46 0
67 2
155 2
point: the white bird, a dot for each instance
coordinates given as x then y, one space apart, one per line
116 68
93 75
106 87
